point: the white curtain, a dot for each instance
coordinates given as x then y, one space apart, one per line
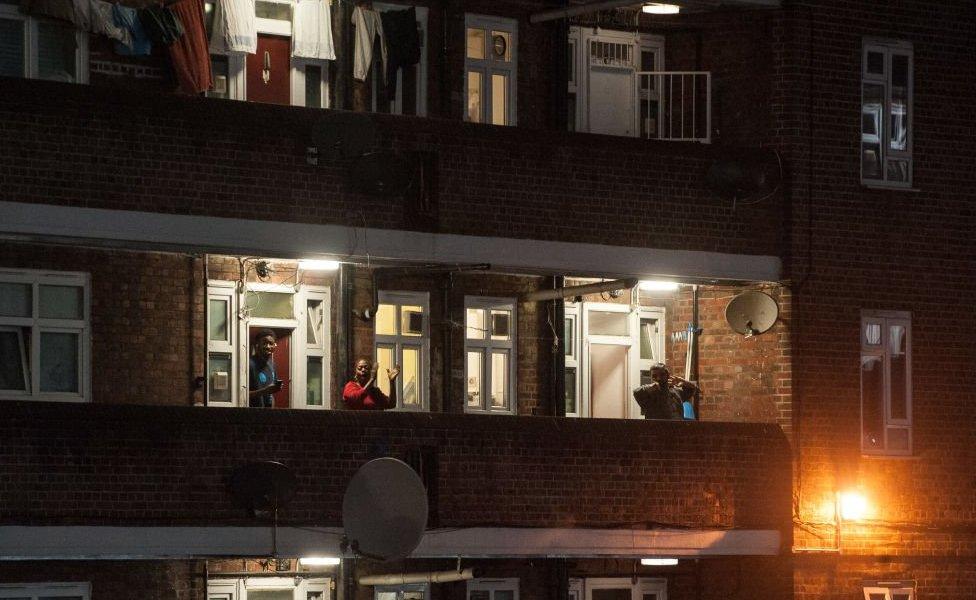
235 27
312 30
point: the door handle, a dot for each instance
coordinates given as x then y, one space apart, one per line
266 71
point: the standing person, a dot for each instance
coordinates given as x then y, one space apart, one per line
262 381
665 398
362 393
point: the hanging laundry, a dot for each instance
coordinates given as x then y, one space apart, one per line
368 26
312 33
402 44
234 27
63 10
189 54
103 22
128 19
161 24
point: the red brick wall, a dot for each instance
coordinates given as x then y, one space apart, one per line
60 464
116 580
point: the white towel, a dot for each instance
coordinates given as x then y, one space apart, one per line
368 25
235 27
312 30
102 22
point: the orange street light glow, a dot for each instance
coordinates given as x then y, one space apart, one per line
853 506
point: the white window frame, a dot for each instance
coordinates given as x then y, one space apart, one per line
657 313
510 584
38 325
398 341
572 360
889 589
237 589
486 346
31 69
239 347
643 585
887 48
631 341
34 591
396 106
886 319
223 291
400 589
487 66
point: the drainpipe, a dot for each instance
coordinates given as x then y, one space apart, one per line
557 309
428 577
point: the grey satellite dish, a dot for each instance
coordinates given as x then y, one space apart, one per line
384 510
262 486
344 135
751 313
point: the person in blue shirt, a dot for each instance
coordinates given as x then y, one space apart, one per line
262 381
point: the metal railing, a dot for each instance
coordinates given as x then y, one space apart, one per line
674 105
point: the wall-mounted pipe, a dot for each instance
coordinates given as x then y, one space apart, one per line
429 577
579 290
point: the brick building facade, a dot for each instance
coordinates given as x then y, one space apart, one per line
149 235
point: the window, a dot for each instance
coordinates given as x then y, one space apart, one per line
44 335
889 590
490 69
886 113
410 97
651 331
489 350
300 318
407 591
600 588
886 383
39 48
268 588
493 589
403 338
46 591
571 343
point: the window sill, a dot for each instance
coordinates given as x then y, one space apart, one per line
889 186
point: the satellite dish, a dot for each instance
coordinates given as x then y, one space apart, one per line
381 174
343 134
262 486
384 510
751 313
751 175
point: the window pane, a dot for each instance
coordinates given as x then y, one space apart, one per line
61 302
648 339
12 48
501 325
280 11
476 43
315 596
898 359
504 595
412 595
474 96
59 362
570 384
412 321
872 108
313 86
313 381
872 334
219 377
13 349
270 305
499 380
875 64
411 376
386 596
218 320
479 595
475 323
384 361
608 323
474 379
55 51
499 99
612 594
501 46
899 102
270 594
568 337
315 323
220 67
15 300
898 440
897 170
872 401
386 320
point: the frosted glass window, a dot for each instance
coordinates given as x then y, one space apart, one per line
15 300
475 324
386 319
474 366
218 320
220 377
270 305
313 381
59 362
411 376
609 323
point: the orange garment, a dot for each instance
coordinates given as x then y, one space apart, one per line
190 54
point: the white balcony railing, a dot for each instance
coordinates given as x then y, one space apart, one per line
674 105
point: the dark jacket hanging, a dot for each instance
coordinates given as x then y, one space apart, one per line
402 44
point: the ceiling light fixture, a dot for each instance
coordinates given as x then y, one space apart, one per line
319 561
659 562
658 285
655 8
318 265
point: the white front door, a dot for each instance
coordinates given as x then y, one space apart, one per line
610 369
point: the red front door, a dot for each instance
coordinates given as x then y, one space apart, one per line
269 70
282 363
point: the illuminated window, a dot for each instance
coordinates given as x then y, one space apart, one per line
490 69
886 113
406 591
402 337
489 350
39 48
886 383
889 590
268 588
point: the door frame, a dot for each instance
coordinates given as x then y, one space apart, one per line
633 372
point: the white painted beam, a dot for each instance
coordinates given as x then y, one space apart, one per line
302 240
